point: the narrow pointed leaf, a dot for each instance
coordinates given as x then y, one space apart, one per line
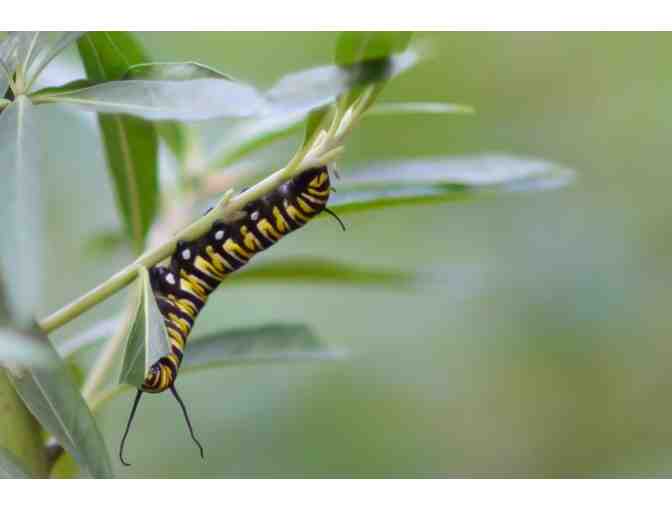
353 47
207 95
314 122
269 343
20 209
386 184
314 270
8 59
174 71
11 467
131 144
147 340
56 402
312 88
51 45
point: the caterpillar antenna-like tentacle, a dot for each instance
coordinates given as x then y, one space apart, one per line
335 216
128 427
186 417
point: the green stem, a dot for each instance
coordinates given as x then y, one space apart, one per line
225 210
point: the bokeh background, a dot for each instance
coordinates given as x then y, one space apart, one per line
540 343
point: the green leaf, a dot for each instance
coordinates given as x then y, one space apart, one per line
314 269
20 209
10 466
268 343
386 184
147 340
50 45
419 108
56 402
8 49
174 71
353 47
312 88
22 349
314 123
131 144
181 91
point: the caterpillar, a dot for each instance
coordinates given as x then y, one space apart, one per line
197 267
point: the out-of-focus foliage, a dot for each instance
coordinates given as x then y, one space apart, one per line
54 399
549 355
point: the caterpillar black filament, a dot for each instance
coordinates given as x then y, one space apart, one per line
197 267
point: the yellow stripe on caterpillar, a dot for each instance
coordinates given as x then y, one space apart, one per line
280 222
221 264
293 212
235 250
208 268
264 226
249 239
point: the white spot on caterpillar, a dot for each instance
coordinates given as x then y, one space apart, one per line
254 215
170 278
186 254
219 235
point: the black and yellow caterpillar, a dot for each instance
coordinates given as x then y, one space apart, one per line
197 267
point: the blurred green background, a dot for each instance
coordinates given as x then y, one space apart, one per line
539 346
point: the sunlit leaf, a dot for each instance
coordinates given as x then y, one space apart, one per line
320 270
268 343
183 91
131 144
51 44
57 404
20 209
353 47
418 108
19 348
384 184
10 466
174 71
147 340
312 88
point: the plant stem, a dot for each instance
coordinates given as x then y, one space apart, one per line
324 150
